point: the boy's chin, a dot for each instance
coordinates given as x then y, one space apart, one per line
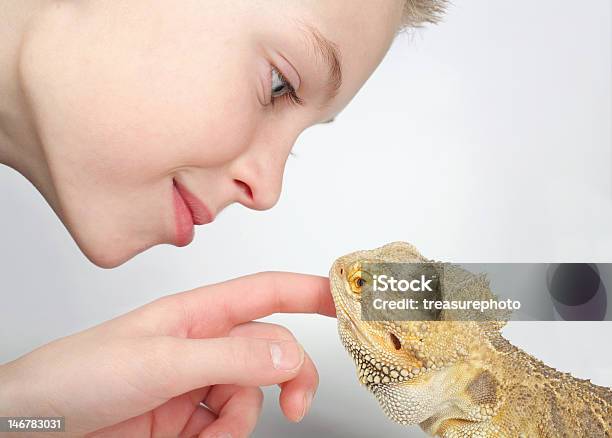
107 255
108 258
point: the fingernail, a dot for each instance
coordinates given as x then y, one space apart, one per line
308 396
286 355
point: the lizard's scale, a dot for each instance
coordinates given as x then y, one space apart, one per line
460 378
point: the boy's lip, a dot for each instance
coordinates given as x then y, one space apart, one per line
189 210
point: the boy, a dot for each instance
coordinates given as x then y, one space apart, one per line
138 120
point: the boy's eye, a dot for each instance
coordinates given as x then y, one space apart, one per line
280 85
282 88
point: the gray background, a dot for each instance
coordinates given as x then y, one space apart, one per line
484 139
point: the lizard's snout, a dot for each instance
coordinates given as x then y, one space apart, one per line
339 269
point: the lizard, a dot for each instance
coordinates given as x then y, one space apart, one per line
457 378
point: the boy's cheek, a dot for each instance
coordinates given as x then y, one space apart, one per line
116 166
123 104
130 132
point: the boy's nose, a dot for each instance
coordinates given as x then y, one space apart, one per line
266 192
261 180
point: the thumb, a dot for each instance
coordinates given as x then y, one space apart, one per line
187 364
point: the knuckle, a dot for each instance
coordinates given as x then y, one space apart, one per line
168 311
255 394
266 277
315 372
281 332
166 305
164 301
244 354
259 396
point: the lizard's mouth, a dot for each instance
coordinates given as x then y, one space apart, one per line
373 368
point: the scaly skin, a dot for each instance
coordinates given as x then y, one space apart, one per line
460 378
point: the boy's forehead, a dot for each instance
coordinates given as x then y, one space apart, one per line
361 25
353 35
351 12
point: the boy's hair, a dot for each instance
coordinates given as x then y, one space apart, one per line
418 12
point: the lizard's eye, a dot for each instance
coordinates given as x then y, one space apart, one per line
358 279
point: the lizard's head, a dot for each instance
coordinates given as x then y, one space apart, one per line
402 362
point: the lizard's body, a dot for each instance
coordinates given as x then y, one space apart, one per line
460 378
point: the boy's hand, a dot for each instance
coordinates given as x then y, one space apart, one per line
145 373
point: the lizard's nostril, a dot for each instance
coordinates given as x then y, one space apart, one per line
396 342
341 271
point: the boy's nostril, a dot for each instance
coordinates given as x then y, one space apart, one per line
396 342
245 188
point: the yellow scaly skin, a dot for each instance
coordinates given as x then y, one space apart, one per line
460 378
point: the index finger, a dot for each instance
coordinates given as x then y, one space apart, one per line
217 308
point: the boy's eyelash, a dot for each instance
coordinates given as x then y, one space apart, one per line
291 96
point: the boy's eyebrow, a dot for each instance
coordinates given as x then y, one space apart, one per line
329 53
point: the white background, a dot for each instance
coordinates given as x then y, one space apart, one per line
486 138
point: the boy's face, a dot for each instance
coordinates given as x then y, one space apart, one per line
140 102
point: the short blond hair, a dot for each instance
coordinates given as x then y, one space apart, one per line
418 12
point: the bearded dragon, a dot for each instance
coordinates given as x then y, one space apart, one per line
459 379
